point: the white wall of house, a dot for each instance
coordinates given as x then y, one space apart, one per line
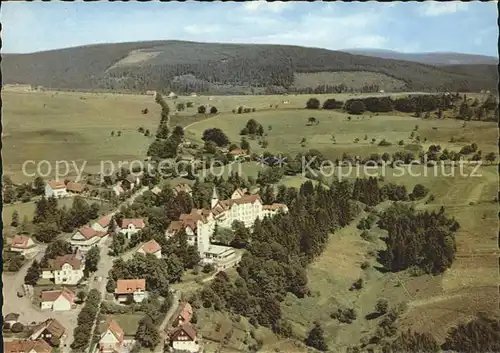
131 229
68 275
61 304
46 305
58 193
187 345
79 242
108 342
47 274
138 297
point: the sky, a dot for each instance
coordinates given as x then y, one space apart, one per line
408 27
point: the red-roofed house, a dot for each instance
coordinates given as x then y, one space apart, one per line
151 247
102 225
57 300
87 237
185 338
23 245
183 315
131 226
67 269
134 289
75 188
56 188
26 346
112 339
51 331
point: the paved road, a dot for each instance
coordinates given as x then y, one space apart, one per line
163 336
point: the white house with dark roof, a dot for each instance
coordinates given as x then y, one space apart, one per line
56 188
66 269
131 226
86 237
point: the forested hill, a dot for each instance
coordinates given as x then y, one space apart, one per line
230 68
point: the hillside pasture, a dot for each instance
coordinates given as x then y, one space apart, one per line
290 127
69 126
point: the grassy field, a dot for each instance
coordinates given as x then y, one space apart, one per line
289 127
76 127
128 322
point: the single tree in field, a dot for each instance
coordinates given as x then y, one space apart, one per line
213 110
112 133
15 219
119 133
81 296
311 120
202 109
313 103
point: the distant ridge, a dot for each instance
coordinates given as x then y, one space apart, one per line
437 58
183 66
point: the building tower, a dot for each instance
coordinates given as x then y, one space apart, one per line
215 198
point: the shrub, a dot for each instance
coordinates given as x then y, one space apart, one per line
313 103
355 106
332 104
213 110
382 306
357 285
384 142
17 327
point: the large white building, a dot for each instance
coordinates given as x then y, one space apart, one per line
56 188
199 225
67 269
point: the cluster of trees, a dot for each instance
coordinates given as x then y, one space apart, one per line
418 104
154 270
50 220
242 109
423 240
202 109
341 88
12 261
22 192
85 321
165 144
216 136
252 128
278 252
147 334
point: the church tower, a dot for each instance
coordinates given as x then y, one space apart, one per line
215 198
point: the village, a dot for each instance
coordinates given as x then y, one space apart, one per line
50 325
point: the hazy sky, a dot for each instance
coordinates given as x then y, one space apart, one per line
409 27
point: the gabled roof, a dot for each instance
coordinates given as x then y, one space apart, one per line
26 346
127 286
151 247
186 312
174 226
75 187
188 329
238 151
224 205
137 222
50 296
105 221
20 241
156 190
116 330
89 232
53 326
72 259
56 184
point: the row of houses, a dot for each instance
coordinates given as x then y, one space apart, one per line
183 336
60 189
